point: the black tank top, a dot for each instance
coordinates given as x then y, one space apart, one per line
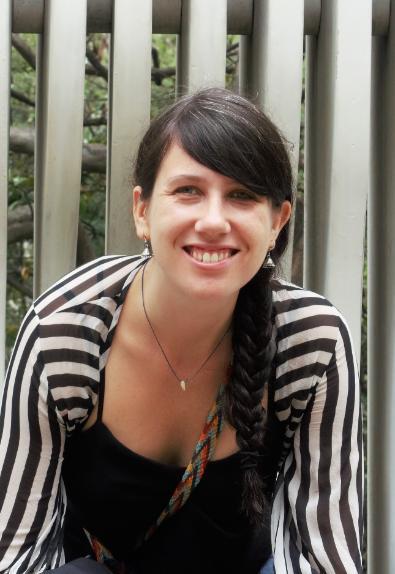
117 494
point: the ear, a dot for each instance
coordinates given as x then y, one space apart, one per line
280 216
140 208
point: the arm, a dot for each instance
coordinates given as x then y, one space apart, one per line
319 498
31 450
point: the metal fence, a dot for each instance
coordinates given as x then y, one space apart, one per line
349 143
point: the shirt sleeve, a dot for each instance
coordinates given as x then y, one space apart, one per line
32 437
317 511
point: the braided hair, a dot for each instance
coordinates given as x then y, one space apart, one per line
230 135
252 354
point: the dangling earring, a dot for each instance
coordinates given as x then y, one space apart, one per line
269 263
147 251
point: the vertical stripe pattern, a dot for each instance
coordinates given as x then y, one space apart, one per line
52 386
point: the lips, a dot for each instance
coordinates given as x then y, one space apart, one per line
210 255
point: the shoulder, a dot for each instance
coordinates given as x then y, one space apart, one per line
73 319
100 279
304 314
307 330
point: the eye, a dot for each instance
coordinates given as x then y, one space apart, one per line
187 190
243 195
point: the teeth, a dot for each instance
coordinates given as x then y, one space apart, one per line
197 255
212 257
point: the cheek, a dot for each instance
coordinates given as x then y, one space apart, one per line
259 227
170 220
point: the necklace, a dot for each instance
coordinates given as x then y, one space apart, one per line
186 380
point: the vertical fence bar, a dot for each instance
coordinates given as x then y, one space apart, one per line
337 160
60 106
130 91
5 58
381 304
272 72
202 45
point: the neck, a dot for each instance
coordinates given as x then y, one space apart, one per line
181 323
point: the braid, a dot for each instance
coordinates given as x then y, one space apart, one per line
252 358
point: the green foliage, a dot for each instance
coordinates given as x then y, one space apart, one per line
163 93
24 82
92 208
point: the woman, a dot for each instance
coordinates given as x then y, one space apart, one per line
117 366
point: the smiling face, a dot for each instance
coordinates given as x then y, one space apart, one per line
208 232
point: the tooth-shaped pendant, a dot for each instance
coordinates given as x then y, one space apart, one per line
183 385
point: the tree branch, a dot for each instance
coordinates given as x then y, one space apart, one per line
158 74
25 50
88 121
20 228
24 289
93 155
22 98
155 57
20 232
85 249
20 223
30 56
233 48
90 70
96 64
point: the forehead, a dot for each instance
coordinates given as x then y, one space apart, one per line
178 165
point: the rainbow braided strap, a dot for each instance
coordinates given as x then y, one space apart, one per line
204 450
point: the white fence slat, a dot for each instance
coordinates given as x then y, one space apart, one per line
130 92
5 57
381 304
60 104
273 56
202 45
337 157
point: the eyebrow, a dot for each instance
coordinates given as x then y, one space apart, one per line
184 176
199 179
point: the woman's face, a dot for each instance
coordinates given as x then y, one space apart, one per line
209 234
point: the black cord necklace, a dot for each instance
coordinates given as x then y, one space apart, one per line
186 380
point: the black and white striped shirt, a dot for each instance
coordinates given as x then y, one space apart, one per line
52 386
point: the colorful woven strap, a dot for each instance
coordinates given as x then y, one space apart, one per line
104 556
204 450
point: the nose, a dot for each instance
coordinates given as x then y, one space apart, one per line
213 220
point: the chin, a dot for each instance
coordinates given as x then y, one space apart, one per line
210 291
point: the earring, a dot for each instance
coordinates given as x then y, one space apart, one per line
269 263
147 251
